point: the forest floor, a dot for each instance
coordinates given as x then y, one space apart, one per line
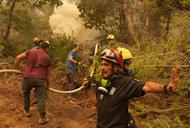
62 110
66 112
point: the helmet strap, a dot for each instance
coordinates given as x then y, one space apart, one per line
118 56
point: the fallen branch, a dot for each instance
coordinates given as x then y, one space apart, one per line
166 66
159 112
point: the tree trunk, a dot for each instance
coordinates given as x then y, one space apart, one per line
9 20
1 1
168 23
128 20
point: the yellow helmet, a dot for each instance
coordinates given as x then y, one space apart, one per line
110 37
126 54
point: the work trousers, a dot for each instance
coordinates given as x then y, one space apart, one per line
39 86
71 75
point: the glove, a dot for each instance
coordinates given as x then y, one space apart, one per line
78 62
174 78
86 82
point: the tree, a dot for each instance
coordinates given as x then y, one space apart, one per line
108 16
17 17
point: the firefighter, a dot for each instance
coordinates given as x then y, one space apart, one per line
112 103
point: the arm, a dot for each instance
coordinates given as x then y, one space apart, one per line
92 95
158 88
48 78
153 87
90 91
72 59
18 59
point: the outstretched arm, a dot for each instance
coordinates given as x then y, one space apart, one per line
159 88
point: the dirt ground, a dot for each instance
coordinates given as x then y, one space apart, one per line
66 112
63 111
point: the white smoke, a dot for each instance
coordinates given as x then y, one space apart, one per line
65 20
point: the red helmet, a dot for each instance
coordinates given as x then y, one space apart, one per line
112 55
37 40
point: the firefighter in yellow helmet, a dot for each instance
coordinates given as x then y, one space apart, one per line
111 39
127 57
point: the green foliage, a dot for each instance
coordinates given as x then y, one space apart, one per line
139 108
106 16
93 66
25 23
163 122
95 12
40 3
157 55
60 47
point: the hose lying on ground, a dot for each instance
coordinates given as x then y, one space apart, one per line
10 70
51 89
66 92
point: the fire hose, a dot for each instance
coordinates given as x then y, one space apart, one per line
52 89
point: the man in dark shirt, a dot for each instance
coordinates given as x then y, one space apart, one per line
36 74
127 60
111 103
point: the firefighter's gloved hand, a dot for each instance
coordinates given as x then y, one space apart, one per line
88 82
78 63
85 82
92 81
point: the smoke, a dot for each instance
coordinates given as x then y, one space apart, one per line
65 20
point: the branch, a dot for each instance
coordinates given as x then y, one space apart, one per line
10 19
1 1
166 66
162 111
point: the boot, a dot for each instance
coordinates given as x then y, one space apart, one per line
43 120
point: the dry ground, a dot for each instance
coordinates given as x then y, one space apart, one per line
65 112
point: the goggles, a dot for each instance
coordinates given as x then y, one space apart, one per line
113 55
108 53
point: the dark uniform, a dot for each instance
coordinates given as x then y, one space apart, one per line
128 72
131 122
111 106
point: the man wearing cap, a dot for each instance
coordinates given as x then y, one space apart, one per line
112 99
36 73
37 40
